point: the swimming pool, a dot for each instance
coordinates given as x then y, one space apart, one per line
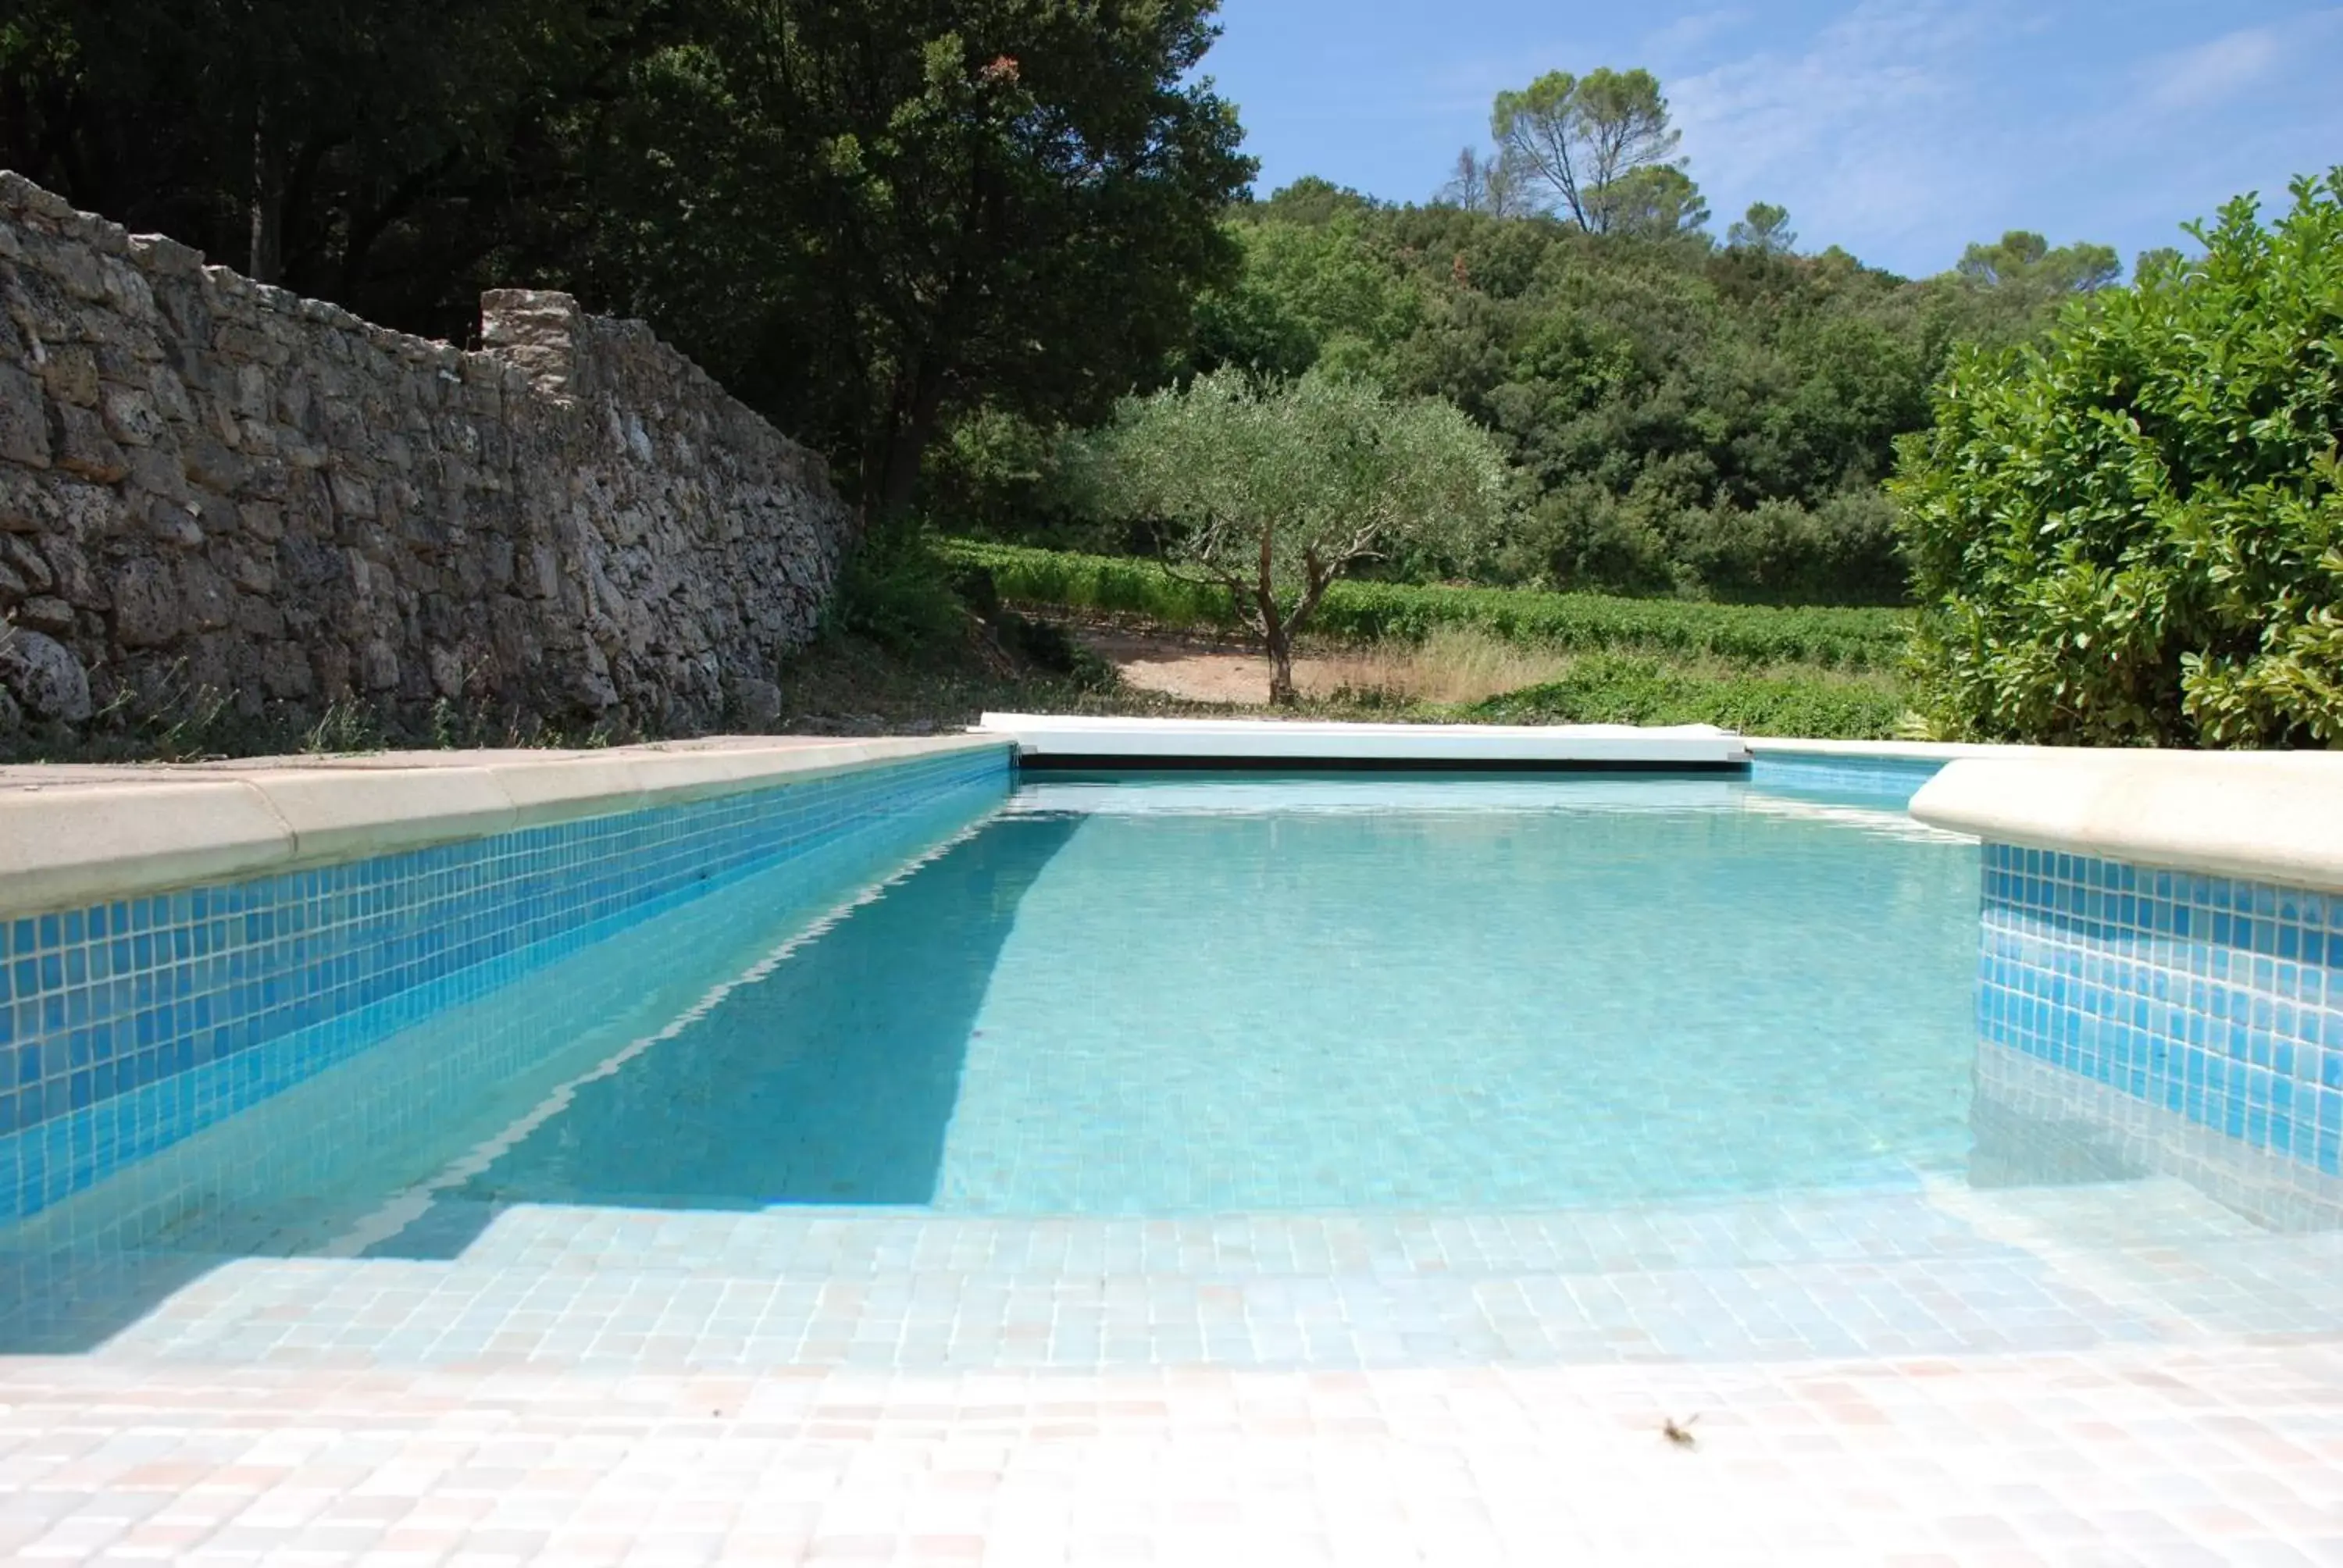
1091 1069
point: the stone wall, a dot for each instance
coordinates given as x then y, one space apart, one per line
211 486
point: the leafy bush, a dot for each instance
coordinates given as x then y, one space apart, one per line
2134 534
1362 612
897 589
1617 690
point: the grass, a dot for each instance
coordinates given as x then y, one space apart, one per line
1611 688
1827 638
1461 675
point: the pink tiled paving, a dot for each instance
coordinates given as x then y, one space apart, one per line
2216 1454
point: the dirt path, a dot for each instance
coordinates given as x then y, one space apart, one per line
1200 669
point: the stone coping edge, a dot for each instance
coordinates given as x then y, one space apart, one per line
2269 817
74 836
1896 750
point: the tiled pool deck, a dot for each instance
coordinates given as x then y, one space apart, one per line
2214 1455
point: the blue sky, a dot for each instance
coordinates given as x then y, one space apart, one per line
1900 129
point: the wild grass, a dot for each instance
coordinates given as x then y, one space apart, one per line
1451 665
1464 675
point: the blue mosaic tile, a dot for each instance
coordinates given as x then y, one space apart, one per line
125 1026
1893 779
2218 1000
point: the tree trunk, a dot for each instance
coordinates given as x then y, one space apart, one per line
267 260
891 474
1281 667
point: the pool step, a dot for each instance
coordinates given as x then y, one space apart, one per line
1877 1227
632 1290
650 1318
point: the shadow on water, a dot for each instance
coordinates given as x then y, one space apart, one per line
831 1080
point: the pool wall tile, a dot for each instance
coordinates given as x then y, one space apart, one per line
2218 1001
125 1026
1893 779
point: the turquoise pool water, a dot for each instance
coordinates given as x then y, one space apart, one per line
1236 1071
1133 998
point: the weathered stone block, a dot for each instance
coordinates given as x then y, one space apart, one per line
70 373
75 583
377 665
81 446
263 520
24 423
210 464
43 613
259 619
206 601
145 604
21 554
44 676
131 416
759 701
156 471
285 671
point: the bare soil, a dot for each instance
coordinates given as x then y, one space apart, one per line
1206 669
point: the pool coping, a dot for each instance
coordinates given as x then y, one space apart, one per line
77 833
74 834
2273 817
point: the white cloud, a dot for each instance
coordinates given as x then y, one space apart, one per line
1687 34
2212 73
1865 131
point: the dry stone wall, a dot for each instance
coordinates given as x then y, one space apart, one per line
208 486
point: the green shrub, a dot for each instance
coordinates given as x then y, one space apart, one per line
1366 611
1616 689
897 589
2134 534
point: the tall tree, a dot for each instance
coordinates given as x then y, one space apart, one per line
2026 261
1488 183
1659 201
866 215
1581 136
376 153
1764 229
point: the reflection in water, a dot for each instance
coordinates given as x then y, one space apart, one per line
2037 1125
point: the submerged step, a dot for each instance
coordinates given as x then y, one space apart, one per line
1910 1273
644 1318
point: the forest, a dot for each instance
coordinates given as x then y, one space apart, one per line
978 251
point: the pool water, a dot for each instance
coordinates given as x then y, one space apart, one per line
1178 998
1224 1071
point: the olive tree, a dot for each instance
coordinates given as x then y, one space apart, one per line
1274 491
